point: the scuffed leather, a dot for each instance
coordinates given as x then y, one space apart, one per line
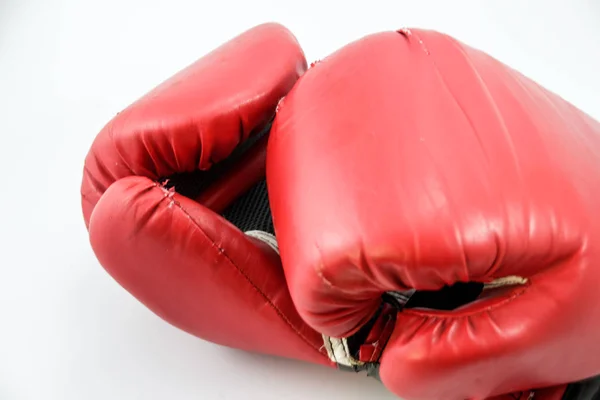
198 116
177 255
413 161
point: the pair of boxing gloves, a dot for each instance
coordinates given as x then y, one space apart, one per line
432 215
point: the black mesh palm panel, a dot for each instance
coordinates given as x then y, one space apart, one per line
252 211
588 389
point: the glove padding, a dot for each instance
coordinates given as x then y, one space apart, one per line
420 168
169 178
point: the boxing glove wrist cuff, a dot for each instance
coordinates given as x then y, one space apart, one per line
362 351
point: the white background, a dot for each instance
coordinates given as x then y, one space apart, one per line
67 331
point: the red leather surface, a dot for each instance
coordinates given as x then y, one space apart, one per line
411 160
197 117
197 271
371 348
177 256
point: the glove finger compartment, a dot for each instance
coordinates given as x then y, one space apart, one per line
235 187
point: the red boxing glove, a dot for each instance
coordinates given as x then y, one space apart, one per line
420 168
166 189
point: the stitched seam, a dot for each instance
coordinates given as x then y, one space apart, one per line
496 264
254 286
408 35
